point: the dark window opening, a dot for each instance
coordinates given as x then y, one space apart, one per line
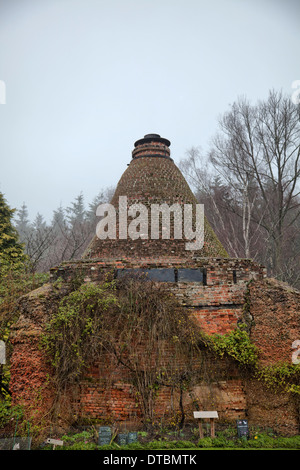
204 277
166 274
154 274
160 274
234 276
190 275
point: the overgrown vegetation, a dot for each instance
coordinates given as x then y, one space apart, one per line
137 324
14 283
16 279
280 377
11 250
73 334
236 345
225 439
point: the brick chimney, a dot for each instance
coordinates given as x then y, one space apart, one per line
152 177
152 145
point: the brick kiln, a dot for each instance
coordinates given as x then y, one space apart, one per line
207 282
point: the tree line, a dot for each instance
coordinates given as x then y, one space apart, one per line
65 237
248 181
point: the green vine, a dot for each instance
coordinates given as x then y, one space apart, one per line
283 377
136 322
237 345
71 335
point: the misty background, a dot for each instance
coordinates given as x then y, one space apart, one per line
85 79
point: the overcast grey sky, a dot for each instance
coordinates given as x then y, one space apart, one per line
85 79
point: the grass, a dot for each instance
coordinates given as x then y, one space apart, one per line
87 440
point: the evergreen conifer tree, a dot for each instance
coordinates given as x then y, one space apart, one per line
11 250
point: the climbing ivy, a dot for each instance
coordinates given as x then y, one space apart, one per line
136 322
72 335
236 345
281 376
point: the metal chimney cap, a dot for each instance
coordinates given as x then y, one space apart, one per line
152 138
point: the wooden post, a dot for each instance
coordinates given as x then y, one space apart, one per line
212 427
200 429
211 415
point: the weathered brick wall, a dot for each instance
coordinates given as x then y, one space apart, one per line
219 271
150 180
275 308
276 411
275 312
216 305
29 384
30 371
106 392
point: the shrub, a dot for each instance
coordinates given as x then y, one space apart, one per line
287 442
135 446
261 440
222 442
205 442
237 345
84 435
80 446
157 445
9 413
184 444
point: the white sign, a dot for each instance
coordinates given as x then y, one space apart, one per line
206 414
2 352
2 92
296 94
55 442
295 358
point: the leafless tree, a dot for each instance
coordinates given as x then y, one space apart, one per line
65 237
256 155
227 203
258 149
